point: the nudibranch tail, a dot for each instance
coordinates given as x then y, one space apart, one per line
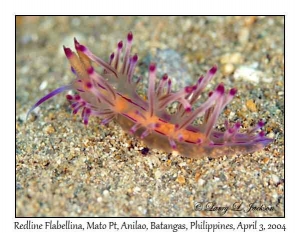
112 95
49 96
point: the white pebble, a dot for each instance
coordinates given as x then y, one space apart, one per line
275 178
24 69
157 174
182 164
23 116
216 179
43 85
271 134
136 189
201 182
248 73
267 79
106 193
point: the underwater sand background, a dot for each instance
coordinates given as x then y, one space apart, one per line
66 169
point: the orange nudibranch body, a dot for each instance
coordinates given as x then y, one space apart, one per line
123 107
166 128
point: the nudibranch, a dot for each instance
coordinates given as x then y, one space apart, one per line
112 94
